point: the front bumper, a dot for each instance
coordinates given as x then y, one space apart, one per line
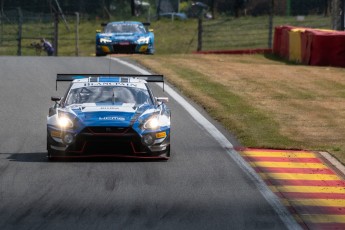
108 142
122 48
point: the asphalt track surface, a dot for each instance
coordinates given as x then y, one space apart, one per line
200 187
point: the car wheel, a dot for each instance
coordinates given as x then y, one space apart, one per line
167 154
150 52
100 54
50 152
49 155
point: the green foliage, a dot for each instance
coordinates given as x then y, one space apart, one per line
307 7
184 6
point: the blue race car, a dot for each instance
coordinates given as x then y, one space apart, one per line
109 116
125 37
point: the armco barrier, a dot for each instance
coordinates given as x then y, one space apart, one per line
327 48
310 46
305 50
284 43
277 40
295 49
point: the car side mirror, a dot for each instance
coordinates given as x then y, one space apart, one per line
56 99
162 99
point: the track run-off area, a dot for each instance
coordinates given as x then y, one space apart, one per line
312 191
207 183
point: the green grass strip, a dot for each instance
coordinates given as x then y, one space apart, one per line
252 126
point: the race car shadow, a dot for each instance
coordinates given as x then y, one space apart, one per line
28 157
42 157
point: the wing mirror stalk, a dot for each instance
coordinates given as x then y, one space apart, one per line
162 100
56 100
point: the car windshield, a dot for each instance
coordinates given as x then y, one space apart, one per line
125 28
108 95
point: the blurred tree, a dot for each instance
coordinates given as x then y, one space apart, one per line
238 5
133 8
336 11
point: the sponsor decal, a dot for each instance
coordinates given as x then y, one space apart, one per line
112 84
161 135
112 119
109 108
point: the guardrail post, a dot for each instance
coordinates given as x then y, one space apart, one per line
1 29
270 25
77 35
343 16
56 33
200 30
20 25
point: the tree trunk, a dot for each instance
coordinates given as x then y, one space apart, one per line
213 8
336 13
133 8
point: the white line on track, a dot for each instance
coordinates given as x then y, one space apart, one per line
271 198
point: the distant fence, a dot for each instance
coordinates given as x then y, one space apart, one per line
250 32
20 32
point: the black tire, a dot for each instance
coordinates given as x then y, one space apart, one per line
51 152
167 154
100 55
50 155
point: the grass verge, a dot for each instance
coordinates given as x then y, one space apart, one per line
264 102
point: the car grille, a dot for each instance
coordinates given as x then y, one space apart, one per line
107 130
108 148
108 141
124 48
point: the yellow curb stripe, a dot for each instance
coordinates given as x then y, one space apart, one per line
318 219
315 202
296 176
287 165
308 189
279 154
300 218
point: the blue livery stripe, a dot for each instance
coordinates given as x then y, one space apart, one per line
109 79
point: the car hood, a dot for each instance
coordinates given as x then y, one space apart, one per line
108 115
122 36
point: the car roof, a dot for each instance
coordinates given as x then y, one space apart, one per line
124 22
110 79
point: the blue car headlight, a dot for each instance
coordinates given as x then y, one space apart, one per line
143 40
64 122
156 121
104 40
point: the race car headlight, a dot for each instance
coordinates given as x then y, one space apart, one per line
143 40
155 122
65 122
104 40
152 123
